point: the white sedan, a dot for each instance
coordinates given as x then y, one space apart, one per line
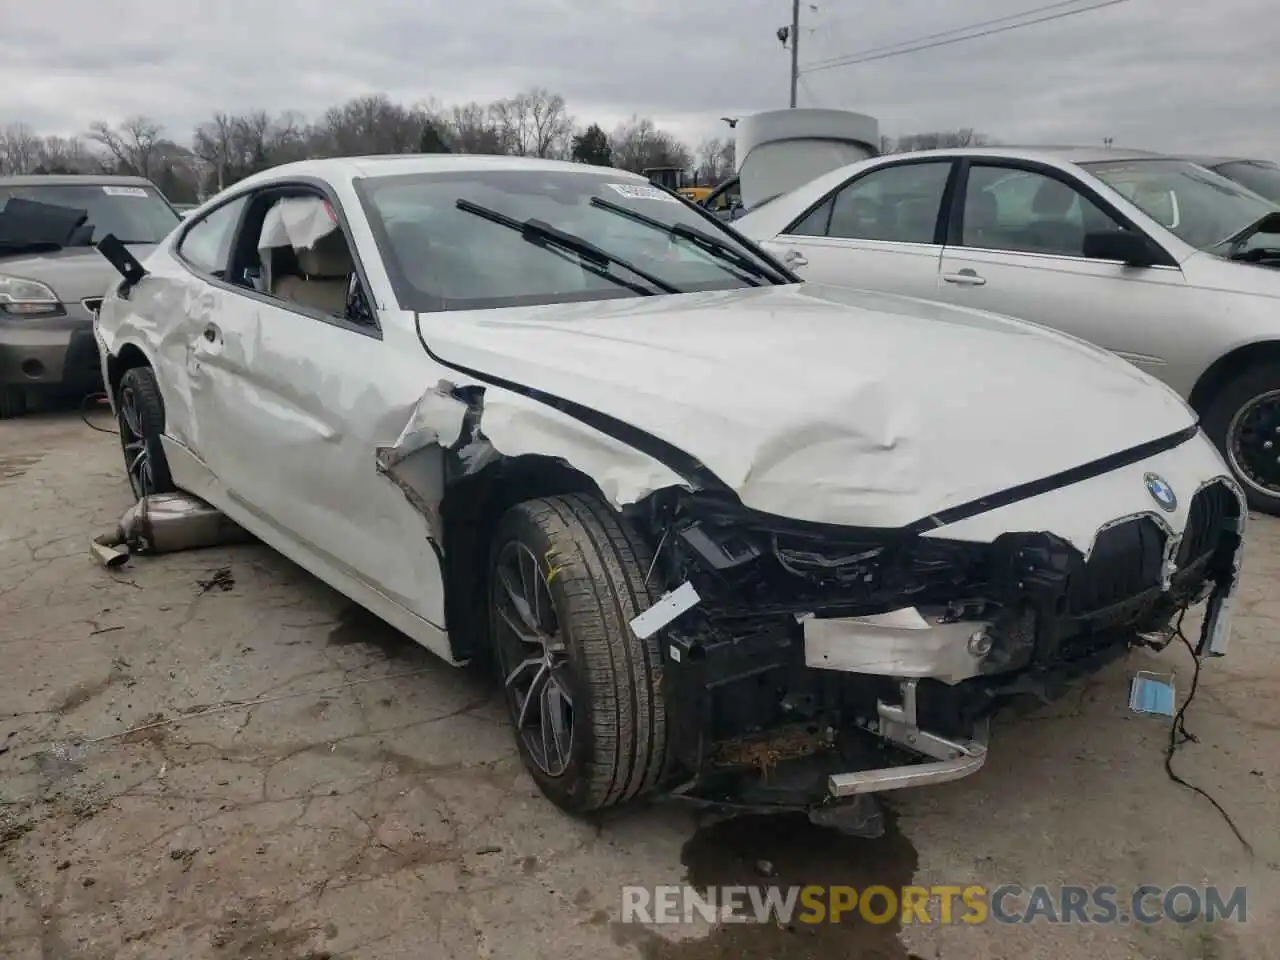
696 512
1162 261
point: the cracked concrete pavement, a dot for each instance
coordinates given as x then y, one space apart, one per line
369 803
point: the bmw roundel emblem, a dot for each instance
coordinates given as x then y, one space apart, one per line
1161 492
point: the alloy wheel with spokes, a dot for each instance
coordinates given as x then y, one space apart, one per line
566 576
140 416
534 662
137 452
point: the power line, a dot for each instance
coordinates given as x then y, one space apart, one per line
804 85
951 32
868 56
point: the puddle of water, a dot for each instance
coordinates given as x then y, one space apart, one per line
731 852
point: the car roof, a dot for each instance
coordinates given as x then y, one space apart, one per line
394 165
73 179
1215 161
1084 155
1069 154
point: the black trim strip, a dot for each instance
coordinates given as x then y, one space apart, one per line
688 467
1025 491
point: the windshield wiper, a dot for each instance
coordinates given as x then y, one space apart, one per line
1256 255
596 260
1267 223
704 241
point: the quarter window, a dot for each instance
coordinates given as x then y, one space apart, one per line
1025 211
207 244
898 204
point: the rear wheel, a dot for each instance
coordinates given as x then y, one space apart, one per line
1244 421
13 402
140 413
585 693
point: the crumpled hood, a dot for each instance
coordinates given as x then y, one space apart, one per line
73 273
828 404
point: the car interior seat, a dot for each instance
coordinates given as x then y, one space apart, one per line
1052 231
325 279
982 220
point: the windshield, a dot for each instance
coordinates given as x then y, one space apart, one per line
1201 207
135 214
1260 177
445 250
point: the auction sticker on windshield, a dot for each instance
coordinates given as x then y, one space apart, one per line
124 191
640 191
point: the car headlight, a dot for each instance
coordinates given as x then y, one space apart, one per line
27 298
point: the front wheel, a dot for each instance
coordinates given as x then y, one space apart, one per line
140 415
567 575
1244 421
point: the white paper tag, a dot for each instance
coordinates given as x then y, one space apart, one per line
111 191
642 191
679 600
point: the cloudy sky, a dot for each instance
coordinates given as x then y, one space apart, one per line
1160 74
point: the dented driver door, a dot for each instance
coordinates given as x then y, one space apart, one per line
292 406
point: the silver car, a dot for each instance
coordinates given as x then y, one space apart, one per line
52 278
1157 259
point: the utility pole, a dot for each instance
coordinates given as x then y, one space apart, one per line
795 49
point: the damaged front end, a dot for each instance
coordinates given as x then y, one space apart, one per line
821 663
810 665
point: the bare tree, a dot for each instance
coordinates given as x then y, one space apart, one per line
472 129
19 149
289 138
368 125
534 124
639 145
228 147
63 155
214 143
715 160
941 139
133 145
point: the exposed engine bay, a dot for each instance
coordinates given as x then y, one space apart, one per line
761 718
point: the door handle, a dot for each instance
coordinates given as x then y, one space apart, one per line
211 333
794 258
965 278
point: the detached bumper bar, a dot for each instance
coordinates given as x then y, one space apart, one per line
969 757
948 759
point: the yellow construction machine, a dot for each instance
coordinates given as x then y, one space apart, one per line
673 178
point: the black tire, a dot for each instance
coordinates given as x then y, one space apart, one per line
593 567
1241 393
13 402
140 416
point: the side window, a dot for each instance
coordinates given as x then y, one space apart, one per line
208 243
814 223
898 204
304 259
1028 212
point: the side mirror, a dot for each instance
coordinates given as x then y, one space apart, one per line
1131 249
